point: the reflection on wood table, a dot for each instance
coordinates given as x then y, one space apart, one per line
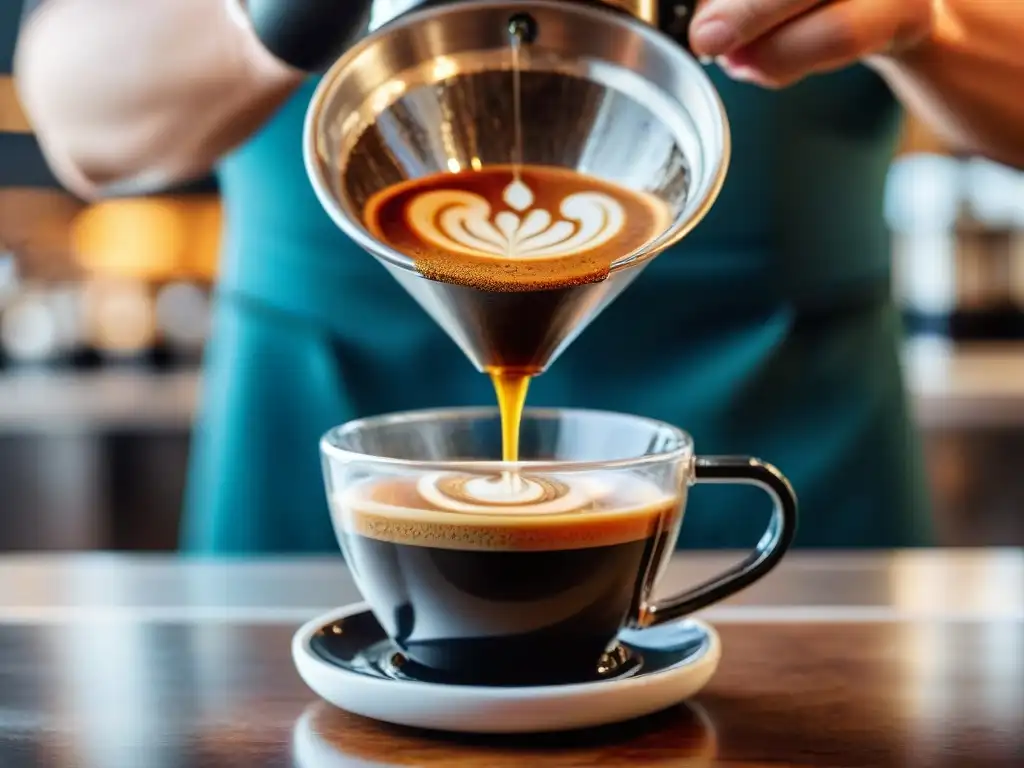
901 659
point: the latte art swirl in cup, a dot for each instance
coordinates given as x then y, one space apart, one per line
519 494
496 512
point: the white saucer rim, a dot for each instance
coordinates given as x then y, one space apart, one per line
308 745
302 648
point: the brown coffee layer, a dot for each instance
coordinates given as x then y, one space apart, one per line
536 214
394 511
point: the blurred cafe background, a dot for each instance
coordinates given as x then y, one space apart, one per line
104 312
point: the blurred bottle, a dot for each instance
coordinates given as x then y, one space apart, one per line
28 331
955 228
33 326
8 283
1016 267
987 306
8 274
65 304
923 202
41 326
183 320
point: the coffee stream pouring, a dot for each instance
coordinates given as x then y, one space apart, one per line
604 91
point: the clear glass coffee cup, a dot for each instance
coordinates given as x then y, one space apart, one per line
490 573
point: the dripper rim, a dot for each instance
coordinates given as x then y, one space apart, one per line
711 184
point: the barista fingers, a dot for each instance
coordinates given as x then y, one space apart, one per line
238 12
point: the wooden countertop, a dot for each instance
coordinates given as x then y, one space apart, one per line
895 659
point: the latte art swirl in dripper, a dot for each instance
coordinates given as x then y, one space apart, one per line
523 228
464 222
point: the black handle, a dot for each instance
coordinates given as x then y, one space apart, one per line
674 17
766 555
309 35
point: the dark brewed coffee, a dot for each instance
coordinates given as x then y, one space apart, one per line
525 249
488 585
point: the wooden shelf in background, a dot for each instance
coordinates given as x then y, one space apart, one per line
12 116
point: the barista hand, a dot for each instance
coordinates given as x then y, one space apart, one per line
774 43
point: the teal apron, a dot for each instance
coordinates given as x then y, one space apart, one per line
769 331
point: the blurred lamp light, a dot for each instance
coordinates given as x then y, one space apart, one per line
152 239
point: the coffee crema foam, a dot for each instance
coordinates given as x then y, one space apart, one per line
454 511
512 229
520 494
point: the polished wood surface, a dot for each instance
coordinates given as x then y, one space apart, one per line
906 659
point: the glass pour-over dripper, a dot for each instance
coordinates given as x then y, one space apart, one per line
599 93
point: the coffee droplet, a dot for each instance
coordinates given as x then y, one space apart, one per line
519 494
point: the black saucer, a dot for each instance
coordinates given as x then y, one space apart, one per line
358 644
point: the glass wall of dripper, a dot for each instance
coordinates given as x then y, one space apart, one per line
446 91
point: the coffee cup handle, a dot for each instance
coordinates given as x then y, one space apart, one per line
766 555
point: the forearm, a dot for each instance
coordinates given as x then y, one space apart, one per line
123 92
966 81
